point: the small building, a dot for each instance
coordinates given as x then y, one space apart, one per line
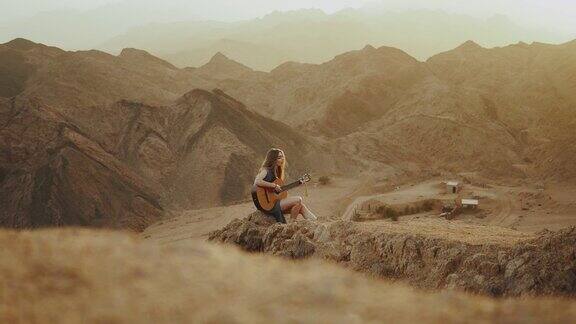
470 203
453 187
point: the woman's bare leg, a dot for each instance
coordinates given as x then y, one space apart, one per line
295 206
292 204
295 211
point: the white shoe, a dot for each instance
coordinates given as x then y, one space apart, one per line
310 216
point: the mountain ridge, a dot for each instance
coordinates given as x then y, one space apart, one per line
480 110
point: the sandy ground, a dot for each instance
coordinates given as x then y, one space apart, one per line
400 195
195 224
450 230
524 208
507 214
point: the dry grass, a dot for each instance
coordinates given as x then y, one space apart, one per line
82 276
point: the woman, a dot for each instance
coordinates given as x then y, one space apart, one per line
274 167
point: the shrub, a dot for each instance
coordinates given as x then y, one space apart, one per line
391 213
356 216
324 180
428 205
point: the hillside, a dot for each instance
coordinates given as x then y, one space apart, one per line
67 80
471 108
114 165
136 108
527 89
51 174
216 140
504 112
70 276
338 96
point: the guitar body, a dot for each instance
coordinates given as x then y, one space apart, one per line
265 198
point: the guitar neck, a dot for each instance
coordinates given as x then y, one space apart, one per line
290 186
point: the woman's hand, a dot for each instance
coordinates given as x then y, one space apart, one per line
277 188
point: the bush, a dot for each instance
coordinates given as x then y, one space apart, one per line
407 210
428 205
387 212
355 216
391 213
324 180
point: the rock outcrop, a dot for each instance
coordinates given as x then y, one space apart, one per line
542 266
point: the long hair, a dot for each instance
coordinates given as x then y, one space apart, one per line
270 162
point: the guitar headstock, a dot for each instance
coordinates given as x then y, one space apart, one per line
305 178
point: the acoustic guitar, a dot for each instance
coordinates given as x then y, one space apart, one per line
266 198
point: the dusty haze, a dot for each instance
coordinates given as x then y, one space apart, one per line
188 33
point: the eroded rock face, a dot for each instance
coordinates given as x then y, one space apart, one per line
53 175
543 266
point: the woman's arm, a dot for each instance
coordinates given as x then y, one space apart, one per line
259 181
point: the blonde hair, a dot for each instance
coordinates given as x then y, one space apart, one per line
270 161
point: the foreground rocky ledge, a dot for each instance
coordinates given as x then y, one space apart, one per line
545 265
87 276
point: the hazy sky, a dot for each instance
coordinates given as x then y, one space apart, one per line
554 15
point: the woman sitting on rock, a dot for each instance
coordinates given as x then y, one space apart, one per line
272 172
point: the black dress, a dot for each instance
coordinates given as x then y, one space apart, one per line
276 212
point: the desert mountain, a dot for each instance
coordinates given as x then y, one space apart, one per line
382 105
530 90
67 80
220 142
203 149
312 36
51 174
505 111
335 97
178 144
221 67
258 56
115 165
19 60
470 107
